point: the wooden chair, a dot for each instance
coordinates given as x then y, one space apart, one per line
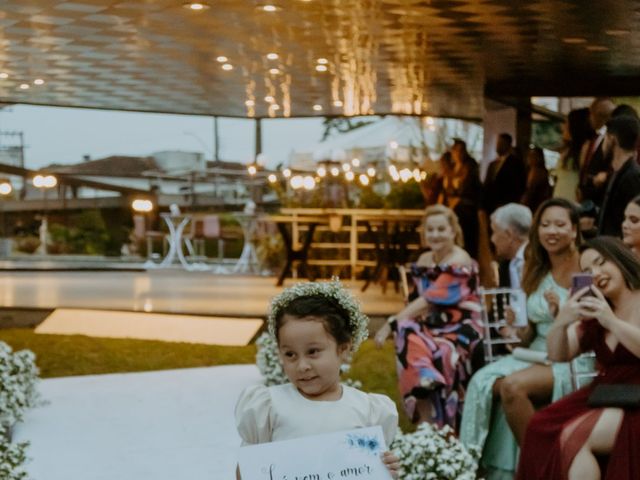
207 227
493 302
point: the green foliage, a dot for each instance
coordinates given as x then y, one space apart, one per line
87 235
67 355
117 236
370 199
28 244
404 195
376 369
547 134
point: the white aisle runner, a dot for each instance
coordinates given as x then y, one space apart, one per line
168 425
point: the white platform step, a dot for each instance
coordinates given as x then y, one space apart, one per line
151 326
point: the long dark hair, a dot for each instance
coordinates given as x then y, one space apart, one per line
613 250
580 131
537 262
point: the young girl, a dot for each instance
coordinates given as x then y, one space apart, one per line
317 327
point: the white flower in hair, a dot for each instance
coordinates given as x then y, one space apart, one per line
358 322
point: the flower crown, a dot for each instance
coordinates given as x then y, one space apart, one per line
358 322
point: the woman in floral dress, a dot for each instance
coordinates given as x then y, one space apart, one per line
436 333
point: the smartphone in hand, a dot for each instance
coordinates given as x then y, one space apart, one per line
581 280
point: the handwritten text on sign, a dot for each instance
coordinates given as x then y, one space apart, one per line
346 455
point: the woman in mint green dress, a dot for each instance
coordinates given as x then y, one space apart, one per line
500 398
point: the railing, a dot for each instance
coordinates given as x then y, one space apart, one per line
359 228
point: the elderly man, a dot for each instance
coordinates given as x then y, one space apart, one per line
510 225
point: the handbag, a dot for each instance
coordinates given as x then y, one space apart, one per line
615 395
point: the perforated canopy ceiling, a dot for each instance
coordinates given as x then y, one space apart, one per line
435 57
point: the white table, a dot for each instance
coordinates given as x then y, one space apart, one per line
248 261
176 224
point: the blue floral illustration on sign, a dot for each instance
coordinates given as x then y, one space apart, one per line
370 444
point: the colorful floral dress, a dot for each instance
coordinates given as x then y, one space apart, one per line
432 351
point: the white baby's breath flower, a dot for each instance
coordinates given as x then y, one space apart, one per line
433 453
358 322
18 379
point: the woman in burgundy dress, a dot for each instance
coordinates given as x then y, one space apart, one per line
569 439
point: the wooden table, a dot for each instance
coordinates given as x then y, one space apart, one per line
348 220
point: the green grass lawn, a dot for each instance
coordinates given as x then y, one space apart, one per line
67 355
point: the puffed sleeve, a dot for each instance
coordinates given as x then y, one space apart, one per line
384 413
253 415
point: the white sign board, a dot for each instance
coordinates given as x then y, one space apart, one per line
346 455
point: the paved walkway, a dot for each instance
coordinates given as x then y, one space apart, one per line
169 425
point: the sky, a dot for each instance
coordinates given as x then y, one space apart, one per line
65 135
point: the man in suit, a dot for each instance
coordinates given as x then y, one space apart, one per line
506 177
594 163
624 183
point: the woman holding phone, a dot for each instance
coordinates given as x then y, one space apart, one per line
562 440
551 258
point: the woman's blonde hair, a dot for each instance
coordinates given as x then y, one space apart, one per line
451 217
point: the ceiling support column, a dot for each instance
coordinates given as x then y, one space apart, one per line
258 150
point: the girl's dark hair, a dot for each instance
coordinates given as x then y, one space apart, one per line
334 318
635 200
613 250
537 262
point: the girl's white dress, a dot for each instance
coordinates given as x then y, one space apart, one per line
268 414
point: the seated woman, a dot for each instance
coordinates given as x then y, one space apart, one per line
551 257
562 440
436 333
631 225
